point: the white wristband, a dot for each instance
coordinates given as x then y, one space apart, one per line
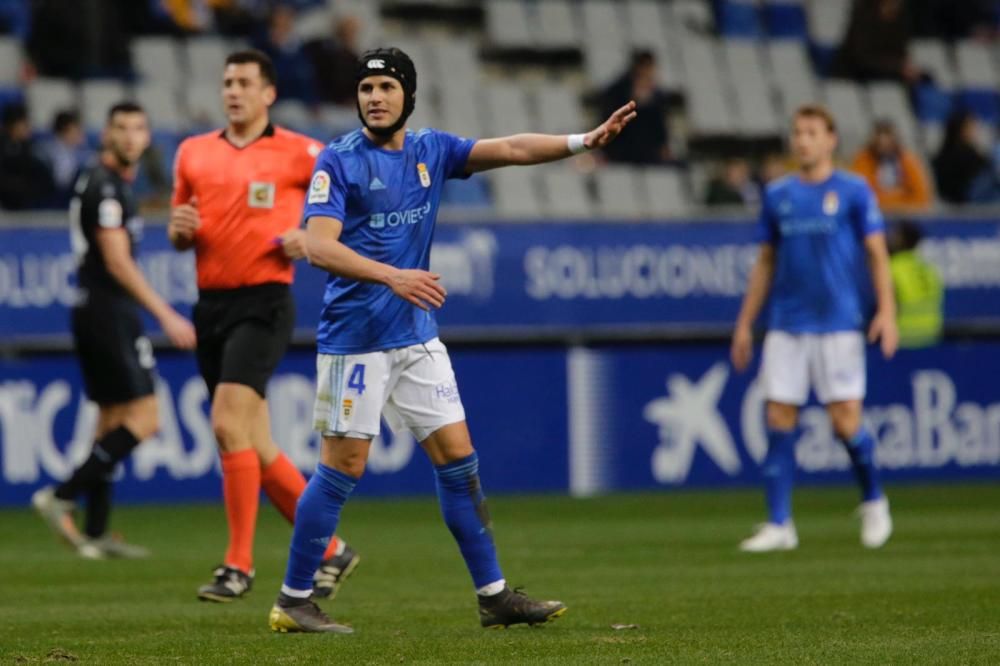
575 143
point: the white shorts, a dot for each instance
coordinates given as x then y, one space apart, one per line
832 363
413 386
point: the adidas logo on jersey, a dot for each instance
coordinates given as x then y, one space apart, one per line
376 184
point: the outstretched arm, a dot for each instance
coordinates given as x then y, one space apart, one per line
324 250
524 149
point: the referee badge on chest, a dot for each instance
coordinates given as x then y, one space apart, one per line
261 195
831 203
425 175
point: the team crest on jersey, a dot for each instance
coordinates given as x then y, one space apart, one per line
831 203
261 195
425 176
319 189
348 407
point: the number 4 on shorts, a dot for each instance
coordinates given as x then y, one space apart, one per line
357 379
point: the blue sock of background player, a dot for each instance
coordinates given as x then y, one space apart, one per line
462 505
779 472
861 449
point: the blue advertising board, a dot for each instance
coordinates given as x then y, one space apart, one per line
579 420
520 279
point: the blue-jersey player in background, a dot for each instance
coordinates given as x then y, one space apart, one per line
370 214
817 228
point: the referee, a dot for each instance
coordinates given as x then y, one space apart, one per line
237 201
115 357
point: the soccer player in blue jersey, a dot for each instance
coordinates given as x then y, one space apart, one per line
370 213
817 228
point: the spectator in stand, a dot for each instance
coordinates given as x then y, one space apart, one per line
646 139
773 167
734 186
295 72
334 61
963 173
956 19
24 179
918 288
895 173
876 46
78 39
65 154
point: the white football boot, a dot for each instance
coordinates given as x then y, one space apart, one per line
770 537
876 523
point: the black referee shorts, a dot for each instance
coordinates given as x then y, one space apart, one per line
116 359
243 334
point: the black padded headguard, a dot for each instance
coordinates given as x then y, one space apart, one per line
389 62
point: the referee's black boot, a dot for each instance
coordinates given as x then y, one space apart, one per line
499 611
230 584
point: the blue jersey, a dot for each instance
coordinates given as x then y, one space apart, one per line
388 201
818 232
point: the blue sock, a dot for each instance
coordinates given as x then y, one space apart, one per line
861 449
316 518
463 506
779 472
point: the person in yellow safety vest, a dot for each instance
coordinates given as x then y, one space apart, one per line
918 287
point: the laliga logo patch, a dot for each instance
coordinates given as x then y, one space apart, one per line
376 63
831 203
425 176
319 189
348 407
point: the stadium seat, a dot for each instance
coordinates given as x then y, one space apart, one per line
709 109
667 193
931 55
565 192
603 27
45 97
508 109
828 21
846 101
621 192
755 112
932 136
792 75
508 24
158 58
313 23
691 16
785 19
455 61
515 193
604 64
206 57
976 70
559 110
460 110
556 24
204 105
645 23
738 19
161 104
292 114
96 97
889 100
10 61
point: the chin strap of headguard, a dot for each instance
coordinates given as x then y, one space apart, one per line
389 62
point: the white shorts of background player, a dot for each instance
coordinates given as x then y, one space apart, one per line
832 364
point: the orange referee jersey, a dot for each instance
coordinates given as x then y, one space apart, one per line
246 198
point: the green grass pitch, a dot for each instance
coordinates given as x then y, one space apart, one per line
664 562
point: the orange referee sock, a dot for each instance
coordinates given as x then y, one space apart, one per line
241 492
283 483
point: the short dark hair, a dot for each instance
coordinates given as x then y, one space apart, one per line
267 70
817 111
65 119
126 106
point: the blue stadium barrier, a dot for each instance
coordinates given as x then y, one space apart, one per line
521 281
582 420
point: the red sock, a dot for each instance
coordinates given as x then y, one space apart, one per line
241 492
283 483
